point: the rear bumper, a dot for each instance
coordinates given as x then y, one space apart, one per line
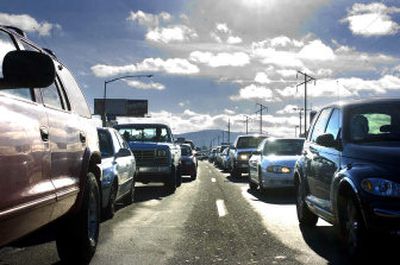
188 169
277 181
242 166
153 174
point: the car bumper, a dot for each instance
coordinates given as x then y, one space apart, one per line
383 216
188 169
242 166
277 181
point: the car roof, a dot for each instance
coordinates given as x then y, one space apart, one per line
360 102
134 125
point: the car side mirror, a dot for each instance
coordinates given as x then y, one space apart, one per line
123 152
326 140
27 69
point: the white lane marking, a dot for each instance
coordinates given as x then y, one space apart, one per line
221 208
213 180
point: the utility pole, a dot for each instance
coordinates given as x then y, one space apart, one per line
218 142
262 107
223 136
229 131
246 121
307 78
295 130
300 116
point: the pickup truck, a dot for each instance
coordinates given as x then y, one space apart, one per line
158 157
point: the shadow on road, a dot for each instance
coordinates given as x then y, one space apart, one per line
275 196
149 192
242 179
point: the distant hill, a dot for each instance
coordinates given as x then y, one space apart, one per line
204 138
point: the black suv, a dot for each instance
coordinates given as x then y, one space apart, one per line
348 173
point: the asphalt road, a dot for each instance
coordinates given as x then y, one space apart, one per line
212 220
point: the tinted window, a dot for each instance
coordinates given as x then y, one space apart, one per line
51 97
145 134
334 124
77 100
283 147
106 145
249 142
186 150
373 123
320 124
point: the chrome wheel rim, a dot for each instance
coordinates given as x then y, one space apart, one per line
92 219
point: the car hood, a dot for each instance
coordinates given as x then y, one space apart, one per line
245 150
149 145
387 153
288 161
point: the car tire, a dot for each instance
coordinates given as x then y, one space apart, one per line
178 177
78 234
170 184
109 211
353 230
194 175
235 173
304 215
253 186
262 189
130 197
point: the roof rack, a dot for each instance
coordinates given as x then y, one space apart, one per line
16 30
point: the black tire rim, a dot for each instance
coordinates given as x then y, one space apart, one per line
92 219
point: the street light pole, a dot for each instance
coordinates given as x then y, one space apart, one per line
104 116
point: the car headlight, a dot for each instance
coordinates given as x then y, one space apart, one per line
243 157
279 169
381 187
161 153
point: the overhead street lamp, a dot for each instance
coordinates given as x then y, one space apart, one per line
103 118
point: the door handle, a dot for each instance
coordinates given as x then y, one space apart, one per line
82 137
44 133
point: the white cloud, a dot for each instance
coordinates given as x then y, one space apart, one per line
149 20
236 59
169 66
222 28
145 86
287 73
372 19
262 78
178 33
234 40
229 112
316 50
254 92
288 109
28 23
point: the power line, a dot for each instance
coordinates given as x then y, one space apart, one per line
262 107
307 78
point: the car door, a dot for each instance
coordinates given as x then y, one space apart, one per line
312 158
329 160
124 164
27 195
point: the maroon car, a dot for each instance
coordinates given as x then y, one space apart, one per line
48 150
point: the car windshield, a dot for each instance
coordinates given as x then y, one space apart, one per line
283 147
145 134
374 123
186 150
249 142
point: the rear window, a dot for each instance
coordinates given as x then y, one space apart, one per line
249 142
145 134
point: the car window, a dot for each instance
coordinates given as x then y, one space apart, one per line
249 142
6 45
283 147
51 96
105 143
186 150
320 124
145 134
334 124
372 123
77 100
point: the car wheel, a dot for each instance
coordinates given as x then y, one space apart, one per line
194 175
170 184
109 211
130 197
354 231
253 186
178 178
305 216
262 189
235 173
78 235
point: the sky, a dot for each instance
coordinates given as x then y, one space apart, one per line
214 60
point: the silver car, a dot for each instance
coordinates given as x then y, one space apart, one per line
271 166
118 168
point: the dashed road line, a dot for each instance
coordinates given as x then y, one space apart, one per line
221 208
213 180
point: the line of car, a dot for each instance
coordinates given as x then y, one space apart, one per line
344 172
56 166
